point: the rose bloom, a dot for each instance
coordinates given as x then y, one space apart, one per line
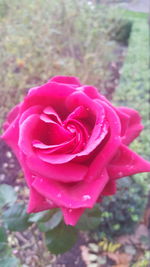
72 145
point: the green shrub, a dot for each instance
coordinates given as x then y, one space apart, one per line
120 213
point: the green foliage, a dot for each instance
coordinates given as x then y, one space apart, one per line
7 195
15 218
121 212
3 238
121 32
37 217
61 238
90 220
54 221
8 261
117 214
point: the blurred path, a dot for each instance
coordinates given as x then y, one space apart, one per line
138 6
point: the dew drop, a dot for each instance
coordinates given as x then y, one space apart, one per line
70 210
120 173
41 180
34 176
128 166
8 154
86 197
59 195
49 201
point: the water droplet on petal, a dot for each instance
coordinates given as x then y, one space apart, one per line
34 176
86 197
120 173
59 195
41 180
49 201
70 210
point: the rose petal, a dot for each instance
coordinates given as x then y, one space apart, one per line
11 116
27 133
108 151
79 195
38 203
134 125
90 91
65 147
98 133
50 94
52 113
30 111
11 135
124 119
110 188
71 216
127 162
70 172
66 79
34 129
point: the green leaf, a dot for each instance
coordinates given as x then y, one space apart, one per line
15 218
51 223
7 195
61 239
88 222
3 239
36 217
8 261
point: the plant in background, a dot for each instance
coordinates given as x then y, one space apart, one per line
72 145
7 199
66 36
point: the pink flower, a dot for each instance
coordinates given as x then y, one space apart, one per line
72 145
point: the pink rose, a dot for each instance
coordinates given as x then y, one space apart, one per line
72 145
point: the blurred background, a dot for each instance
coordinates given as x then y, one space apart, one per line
106 44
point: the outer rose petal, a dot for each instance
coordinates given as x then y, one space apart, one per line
70 172
127 163
11 116
11 135
30 111
124 116
27 128
108 151
50 94
71 216
83 194
66 79
110 188
38 203
134 126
